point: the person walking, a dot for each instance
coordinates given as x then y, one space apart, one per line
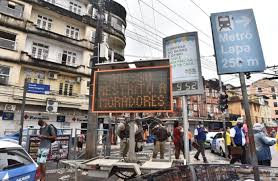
238 149
47 135
178 141
263 143
123 133
200 136
80 141
162 135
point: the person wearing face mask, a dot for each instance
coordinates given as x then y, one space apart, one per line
238 143
200 135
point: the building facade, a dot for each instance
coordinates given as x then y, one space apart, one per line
51 42
259 108
268 88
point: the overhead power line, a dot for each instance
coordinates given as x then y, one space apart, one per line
184 19
209 45
199 8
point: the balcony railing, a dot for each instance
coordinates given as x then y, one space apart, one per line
67 7
12 12
58 60
9 44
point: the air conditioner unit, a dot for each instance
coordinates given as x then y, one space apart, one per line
51 106
10 107
103 53
52 75
78 79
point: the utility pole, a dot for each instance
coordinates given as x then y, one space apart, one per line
251 149
22 112
91 143
185 128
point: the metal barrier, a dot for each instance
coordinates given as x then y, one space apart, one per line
209 172
102 141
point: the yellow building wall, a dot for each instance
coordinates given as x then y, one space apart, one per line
59 23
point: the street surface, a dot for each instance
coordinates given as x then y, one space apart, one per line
62 174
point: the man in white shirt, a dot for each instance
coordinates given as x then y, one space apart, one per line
239 141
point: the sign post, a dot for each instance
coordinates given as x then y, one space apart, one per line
238 50
183 53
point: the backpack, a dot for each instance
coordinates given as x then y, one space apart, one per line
51 126
162 134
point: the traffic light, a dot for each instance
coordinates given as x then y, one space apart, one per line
223 102
248 75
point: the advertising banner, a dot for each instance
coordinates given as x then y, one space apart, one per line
183 53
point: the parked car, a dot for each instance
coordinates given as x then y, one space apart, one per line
210 136
16 163
218 144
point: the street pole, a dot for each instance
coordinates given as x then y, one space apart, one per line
185 128
109 136
224 120
131 156
22 112
252 149
91 143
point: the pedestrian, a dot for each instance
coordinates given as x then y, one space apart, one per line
190 139
238 150
228 141
200 136
263 143
80 141
123 133
47 135
162 135
178 141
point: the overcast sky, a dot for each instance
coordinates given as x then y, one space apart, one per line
148 21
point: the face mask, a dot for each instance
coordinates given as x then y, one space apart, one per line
201 125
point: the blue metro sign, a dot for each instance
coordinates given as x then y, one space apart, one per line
236 42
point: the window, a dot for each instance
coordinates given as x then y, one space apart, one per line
66 89
4 75
69 58
13 158
11 5
274 96
93 36
7 40
272 89
40 51
259 89
72 32
276 112
74 7
44 22
275 104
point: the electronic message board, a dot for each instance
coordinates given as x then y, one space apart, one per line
133 90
